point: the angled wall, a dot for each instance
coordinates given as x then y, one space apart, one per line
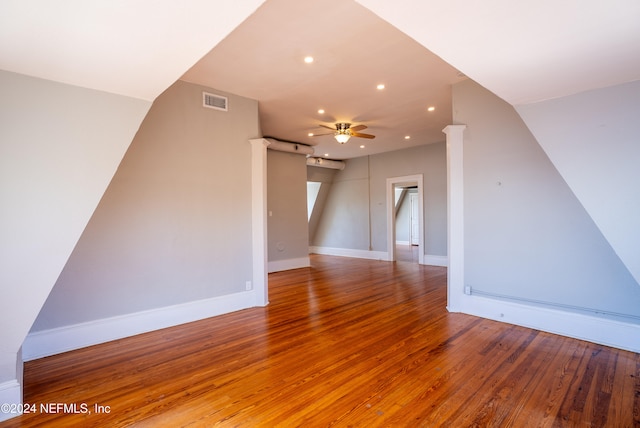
354 217
172 228
344 221
61 144
59 147
592 140
325 177
575 85
528 240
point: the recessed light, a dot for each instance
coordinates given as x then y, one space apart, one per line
380 86
308 59
321 111
432 108
362 146
310 134
407 137
326 155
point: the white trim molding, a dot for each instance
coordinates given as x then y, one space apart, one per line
392 182
436 260
44 343
430 260
347 252
259 219
280 265
455 215
608 332
10 393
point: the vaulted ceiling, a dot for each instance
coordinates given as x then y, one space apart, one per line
522 51
354 51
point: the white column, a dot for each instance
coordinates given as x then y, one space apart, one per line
259 219
455 216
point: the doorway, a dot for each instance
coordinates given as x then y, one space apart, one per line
394 183
414 220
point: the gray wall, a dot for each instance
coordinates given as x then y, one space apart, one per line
596 149
358 198
324 176
429 160
174 224
344 222
287 224
59 147
526 234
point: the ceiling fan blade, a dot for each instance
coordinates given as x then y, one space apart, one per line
358 128
327 133
359 135
328 127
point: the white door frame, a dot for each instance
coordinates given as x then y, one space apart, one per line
414 219
392 182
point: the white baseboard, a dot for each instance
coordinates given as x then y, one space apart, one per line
402 242
374 255
54 341
280 265
608 332
346 252
10 393
436 260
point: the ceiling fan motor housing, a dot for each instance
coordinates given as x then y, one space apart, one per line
342 127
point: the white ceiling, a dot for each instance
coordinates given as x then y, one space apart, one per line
354 51
522 51
527 51
133 48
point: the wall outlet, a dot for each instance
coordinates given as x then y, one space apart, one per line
248 286
467 289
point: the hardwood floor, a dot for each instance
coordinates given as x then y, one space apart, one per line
347 342
407 253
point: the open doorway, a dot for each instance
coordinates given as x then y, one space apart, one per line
407 224
399 191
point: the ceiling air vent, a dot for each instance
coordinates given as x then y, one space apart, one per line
217 102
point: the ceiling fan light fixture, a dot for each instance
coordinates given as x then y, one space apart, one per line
342 137
343 133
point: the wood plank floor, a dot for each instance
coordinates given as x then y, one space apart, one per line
344 343
407 253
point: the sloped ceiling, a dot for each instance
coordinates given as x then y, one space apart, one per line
132 48
527 51
522 51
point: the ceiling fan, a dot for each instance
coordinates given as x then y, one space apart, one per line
344 131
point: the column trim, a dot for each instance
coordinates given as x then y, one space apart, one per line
259 219
455 216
